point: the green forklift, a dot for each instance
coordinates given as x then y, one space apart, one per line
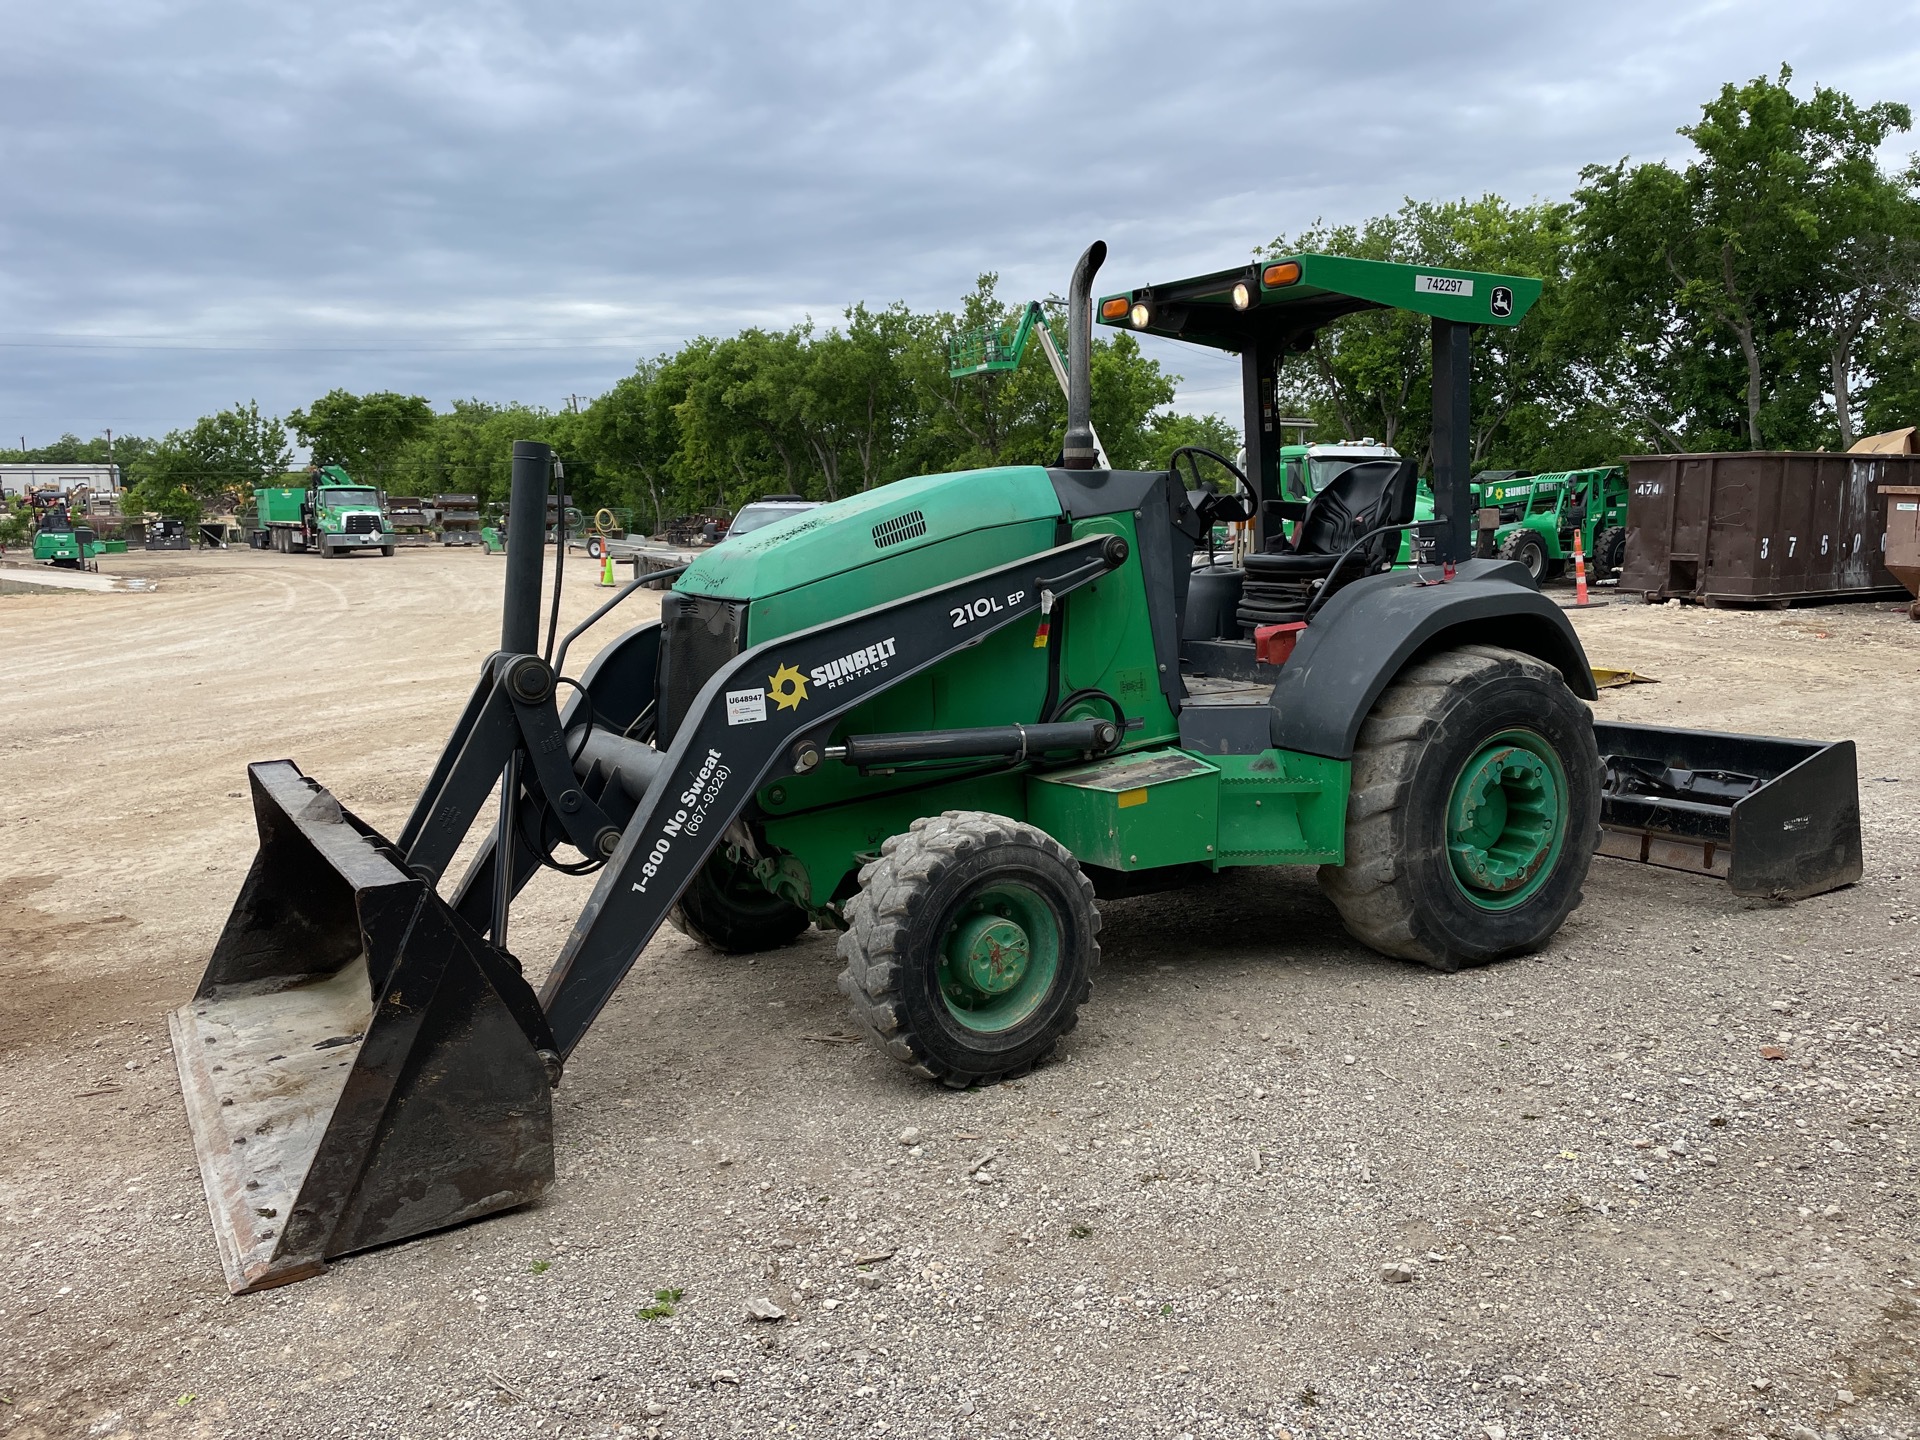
944 718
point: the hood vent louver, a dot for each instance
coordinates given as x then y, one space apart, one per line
901 527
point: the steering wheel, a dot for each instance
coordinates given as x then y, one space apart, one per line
1216 507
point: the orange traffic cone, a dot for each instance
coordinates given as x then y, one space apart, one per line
1579 571
606 571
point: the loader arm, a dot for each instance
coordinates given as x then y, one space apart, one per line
362 1061
721 754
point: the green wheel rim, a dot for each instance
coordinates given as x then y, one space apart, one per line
1000 957
1507 820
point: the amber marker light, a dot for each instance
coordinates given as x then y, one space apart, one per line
1114 309
1274 276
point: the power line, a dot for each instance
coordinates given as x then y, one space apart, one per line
503 347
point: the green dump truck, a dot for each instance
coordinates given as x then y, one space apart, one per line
330 515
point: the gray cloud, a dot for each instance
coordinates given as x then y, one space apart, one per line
516 201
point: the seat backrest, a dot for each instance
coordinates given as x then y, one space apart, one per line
1363 497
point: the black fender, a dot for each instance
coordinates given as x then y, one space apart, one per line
1367 633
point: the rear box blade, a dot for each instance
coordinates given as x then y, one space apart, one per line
1796 833
358 1065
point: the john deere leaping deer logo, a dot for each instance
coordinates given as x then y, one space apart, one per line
787 687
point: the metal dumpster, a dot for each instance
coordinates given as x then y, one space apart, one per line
1760 527
1903 538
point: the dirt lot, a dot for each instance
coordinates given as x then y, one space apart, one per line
1625 1220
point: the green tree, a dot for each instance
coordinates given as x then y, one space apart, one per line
855 399
469 450
738 417
1170 429
364 433
631 434
1891 355
16 521
1743 285
217 461
70 449
997 418
1369 375
1020 416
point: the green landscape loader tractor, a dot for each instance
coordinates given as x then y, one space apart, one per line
943 717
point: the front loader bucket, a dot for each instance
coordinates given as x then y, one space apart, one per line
1774 818
358 1065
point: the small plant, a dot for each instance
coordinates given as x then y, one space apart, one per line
540 1267
1307 1398
1080 1232
662 1307
1166 1309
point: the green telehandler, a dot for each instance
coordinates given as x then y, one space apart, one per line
943 717
1541 514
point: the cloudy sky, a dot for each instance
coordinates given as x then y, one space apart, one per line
204 203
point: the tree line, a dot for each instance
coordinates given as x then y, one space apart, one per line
1765 293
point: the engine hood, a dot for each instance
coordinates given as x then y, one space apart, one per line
870 528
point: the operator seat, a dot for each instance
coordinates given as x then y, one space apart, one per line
1362 498
1281 582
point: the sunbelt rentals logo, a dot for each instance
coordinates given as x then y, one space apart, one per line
876 656
788 688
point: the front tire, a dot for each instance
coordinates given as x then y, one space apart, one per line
387 550
970 947
1473 812
1524 547
1609 553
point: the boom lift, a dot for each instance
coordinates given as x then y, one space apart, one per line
941 716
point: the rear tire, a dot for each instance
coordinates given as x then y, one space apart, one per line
1473 813
727 909
1524 548
970 947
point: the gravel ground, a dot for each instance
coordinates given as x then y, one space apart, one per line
1620 1213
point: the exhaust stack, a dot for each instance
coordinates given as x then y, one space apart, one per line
1080 452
